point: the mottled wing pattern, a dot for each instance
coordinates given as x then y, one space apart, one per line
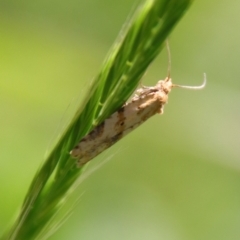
147 102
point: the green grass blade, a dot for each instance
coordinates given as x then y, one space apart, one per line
135 49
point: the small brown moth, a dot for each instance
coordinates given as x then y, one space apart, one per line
147 102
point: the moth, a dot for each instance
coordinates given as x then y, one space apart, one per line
146 102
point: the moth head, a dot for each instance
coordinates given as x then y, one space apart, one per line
165 85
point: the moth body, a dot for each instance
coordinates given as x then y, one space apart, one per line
146 102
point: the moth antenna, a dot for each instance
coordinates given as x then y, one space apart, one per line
169 58
194 87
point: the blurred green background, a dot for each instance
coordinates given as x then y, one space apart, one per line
178 175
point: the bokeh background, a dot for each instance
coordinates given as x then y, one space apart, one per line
178 175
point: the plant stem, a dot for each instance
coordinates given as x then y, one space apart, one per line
137 46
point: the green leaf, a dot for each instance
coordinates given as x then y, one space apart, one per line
138 44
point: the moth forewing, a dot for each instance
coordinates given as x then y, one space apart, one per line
147 102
